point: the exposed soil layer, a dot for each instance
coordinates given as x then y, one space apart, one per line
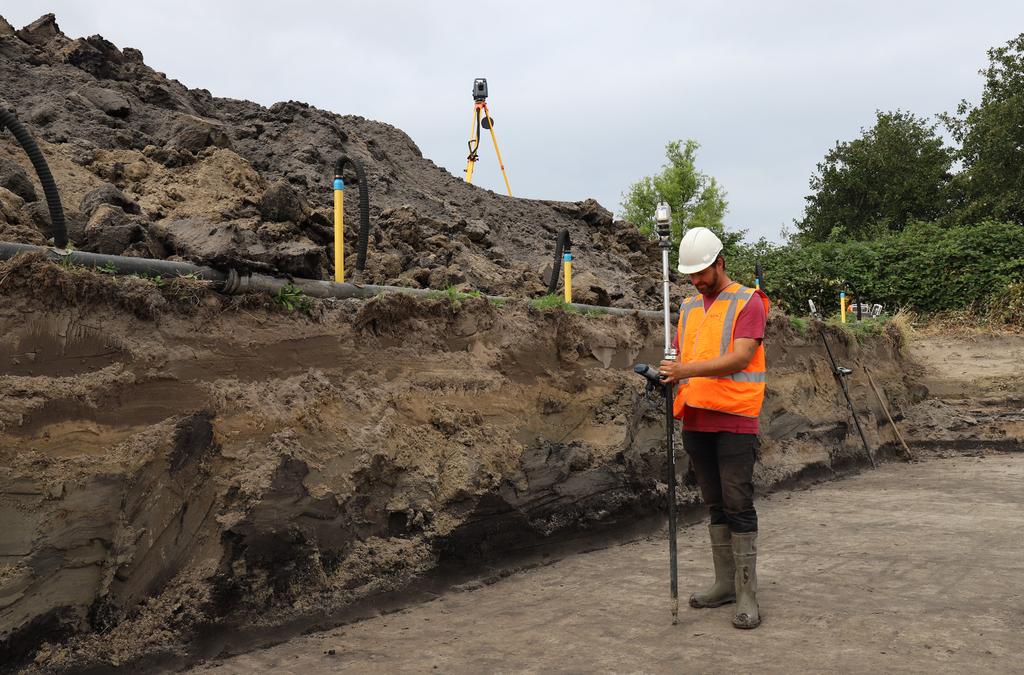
900 570
175 461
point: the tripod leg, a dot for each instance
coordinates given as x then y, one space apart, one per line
474 143
494 139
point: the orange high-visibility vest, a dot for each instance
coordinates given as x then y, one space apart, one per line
708 335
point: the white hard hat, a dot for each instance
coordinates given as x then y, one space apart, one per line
698 250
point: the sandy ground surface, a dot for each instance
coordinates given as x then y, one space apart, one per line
971 365
904 569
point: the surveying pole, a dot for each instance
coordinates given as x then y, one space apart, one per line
663 216
482 118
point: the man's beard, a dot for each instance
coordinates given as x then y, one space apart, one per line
710 285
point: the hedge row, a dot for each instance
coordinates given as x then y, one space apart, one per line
926 267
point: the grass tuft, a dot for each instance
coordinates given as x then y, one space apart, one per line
550 301
291 298
454 295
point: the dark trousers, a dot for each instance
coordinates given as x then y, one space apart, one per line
724 465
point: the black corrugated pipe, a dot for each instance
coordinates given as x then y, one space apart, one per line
118 263
364 206
233 283
563 244
59 229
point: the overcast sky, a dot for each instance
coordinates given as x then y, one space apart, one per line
585 94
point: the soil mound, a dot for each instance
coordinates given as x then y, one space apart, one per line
148 167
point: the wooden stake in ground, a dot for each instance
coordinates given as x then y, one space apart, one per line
885 409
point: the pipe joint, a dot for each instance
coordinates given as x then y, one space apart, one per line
237 283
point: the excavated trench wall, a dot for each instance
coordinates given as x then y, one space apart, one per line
172 460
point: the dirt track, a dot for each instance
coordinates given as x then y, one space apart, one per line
905 569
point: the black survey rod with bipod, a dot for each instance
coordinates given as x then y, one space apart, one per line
663 216
840 374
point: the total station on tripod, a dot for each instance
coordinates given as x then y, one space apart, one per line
482 120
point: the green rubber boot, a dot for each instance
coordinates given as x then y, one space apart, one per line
744 551
723 591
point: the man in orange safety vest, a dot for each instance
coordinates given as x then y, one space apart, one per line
720 376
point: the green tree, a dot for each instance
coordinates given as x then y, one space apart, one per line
742 259
697 200
991 136
896 172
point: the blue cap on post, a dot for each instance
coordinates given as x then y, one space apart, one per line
567 256
339 184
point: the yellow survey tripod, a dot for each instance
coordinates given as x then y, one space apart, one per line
485 121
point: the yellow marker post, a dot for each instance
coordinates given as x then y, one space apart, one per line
339 229
842 305
567 274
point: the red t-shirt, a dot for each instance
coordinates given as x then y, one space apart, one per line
749 324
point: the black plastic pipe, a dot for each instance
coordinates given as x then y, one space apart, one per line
364 206
117 263
59 229
562 245
233 283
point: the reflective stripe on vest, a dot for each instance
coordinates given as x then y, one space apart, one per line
730 317
684 311
743 377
